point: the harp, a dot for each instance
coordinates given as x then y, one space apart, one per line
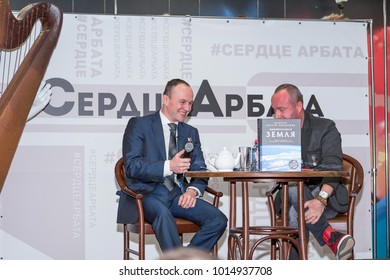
29 66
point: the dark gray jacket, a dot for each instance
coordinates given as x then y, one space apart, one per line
321 150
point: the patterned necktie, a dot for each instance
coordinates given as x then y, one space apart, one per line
172 141
172 151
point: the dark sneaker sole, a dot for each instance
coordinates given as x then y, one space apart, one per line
345 248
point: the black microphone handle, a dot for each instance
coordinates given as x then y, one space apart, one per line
186 155
188 147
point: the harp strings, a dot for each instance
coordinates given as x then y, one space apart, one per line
10 60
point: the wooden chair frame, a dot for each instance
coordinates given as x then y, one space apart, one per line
142 228
343 222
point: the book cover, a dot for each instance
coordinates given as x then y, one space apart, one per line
279 144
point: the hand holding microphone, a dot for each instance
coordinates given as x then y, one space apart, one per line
188 148
181 162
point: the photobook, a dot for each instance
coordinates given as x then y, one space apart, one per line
279 144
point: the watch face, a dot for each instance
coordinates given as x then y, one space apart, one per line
324 194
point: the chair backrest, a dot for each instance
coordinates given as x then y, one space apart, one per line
120 178
120 174
353 182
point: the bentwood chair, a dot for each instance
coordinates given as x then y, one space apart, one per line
142 228
343 222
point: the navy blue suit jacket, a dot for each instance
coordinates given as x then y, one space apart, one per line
144 155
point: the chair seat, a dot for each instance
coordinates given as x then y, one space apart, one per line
183 226
339 218
339 222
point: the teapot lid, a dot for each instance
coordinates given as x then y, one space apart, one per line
225 150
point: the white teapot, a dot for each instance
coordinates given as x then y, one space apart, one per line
224 161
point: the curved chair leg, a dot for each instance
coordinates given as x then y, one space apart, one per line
126 243
234 246
284 254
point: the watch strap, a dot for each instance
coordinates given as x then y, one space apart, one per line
322 200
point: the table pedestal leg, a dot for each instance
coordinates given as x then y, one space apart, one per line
232 219
285 210
245 220
301 220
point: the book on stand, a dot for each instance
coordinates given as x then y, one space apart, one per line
279 144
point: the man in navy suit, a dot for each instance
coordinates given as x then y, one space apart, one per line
145 152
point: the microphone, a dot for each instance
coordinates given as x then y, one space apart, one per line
188 147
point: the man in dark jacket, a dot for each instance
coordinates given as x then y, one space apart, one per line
321 150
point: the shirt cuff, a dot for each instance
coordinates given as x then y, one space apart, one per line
167 171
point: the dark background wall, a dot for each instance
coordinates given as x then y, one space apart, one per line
308 9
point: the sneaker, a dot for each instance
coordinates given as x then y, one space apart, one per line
342 245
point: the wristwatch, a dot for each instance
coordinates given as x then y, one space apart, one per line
324 194
323 197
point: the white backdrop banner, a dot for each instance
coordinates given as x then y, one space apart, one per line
59 199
